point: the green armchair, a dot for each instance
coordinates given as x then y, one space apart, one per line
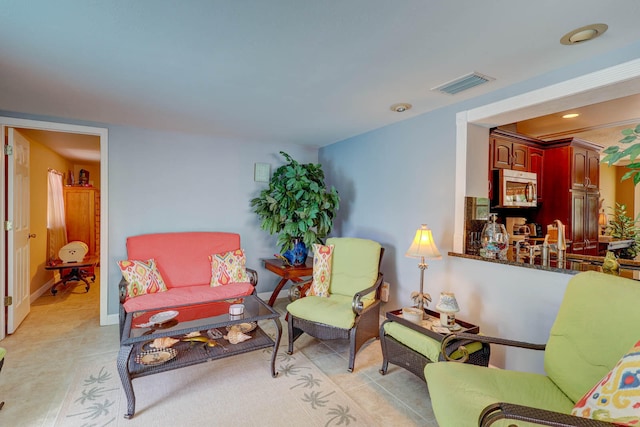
352 310
597 323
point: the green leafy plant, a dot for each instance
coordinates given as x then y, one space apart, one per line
297 204
615 153
623 227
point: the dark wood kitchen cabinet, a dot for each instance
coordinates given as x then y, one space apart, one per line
586 169
585 222
510 150
507 154
571 172
536 165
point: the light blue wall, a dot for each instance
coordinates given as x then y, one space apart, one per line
390 180
395 178
161 181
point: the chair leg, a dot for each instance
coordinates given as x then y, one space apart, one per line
383 346
294 333
365 329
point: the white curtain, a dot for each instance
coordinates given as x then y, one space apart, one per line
56 227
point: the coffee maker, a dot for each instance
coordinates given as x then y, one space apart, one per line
518 229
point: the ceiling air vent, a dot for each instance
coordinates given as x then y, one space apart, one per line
463 83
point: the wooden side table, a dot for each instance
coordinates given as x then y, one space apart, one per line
287 272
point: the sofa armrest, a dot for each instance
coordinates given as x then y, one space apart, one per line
253 276
449 339
122 290
357 305
510 411
299 290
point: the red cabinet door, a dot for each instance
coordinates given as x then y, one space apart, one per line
519 157
536 164
592 170
579 168
578 201
501 153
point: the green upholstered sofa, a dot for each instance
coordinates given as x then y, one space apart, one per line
597 323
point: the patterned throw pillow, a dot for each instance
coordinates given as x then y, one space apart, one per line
322 256
228 267
142 277
615 398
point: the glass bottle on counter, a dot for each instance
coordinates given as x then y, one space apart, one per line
495 239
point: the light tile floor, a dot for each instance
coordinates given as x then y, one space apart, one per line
59 330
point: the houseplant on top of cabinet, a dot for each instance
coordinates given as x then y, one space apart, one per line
623 227
615 153
298 207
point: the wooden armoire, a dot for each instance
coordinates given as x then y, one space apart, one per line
82 211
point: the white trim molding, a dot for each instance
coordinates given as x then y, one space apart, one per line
599 86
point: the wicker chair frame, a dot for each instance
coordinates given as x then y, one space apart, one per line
510 411
399 354
365 327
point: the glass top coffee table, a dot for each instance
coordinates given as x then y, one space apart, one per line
199 330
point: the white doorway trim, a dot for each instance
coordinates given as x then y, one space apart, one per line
599 86
103 133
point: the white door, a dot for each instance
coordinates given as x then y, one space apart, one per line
18 237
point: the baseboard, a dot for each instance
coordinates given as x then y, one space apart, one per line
112 319
44 288
264 296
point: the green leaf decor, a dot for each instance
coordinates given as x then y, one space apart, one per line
615 153
297 204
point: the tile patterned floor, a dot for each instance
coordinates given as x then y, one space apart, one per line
59 330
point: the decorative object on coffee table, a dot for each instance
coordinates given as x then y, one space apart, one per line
297 205
423 247
448 307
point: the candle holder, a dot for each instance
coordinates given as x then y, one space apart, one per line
448 307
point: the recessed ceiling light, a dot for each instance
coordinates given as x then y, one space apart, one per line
400 108
570 115
583 34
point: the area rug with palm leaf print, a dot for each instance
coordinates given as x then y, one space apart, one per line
237 391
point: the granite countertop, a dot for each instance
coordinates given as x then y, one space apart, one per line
574 264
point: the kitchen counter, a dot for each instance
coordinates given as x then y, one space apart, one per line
574 264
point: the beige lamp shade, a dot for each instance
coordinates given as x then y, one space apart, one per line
423 245
602 219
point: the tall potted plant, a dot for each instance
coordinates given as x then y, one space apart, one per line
623 227
298 207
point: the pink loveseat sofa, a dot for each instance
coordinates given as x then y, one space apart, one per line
182 258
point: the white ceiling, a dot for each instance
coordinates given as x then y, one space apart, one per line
306 71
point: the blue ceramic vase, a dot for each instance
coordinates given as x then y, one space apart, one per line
298 255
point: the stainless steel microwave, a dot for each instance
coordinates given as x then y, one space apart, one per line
517 189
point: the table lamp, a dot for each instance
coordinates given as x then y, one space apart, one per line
602 222
447 307
423 247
